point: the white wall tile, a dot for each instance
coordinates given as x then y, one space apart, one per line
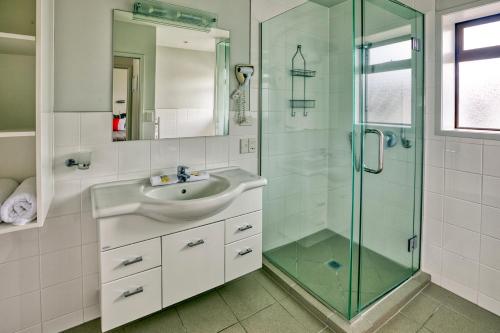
104 160
90 259
96 128
18 245
491 191
433 206
164 154
460 269
90 290
61 299
490 224
19 277
434 179
66 198
462 213
490 252
61 266
434 153
33 329
488 303
491 160
91 312
489 282
133 156
64 322
463 185
463 157
461 241
89 228
67 129
192 152
217 149
60 233
20 312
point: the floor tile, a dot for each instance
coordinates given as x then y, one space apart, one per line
310 322
400 324
245 296
485 319
165 321
448 321
272 287
236 328
420 308
274 319
93 326
206 313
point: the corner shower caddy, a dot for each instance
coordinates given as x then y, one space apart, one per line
304 73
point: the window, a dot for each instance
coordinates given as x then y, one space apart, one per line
477 74
389 81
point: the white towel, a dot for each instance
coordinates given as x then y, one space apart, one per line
20 207
7 186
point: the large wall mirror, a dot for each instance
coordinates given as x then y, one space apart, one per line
168 81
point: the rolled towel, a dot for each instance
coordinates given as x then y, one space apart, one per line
20 206
7 186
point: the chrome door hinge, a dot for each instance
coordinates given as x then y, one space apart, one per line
412 243
416 44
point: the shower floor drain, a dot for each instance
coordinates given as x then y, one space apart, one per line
334 264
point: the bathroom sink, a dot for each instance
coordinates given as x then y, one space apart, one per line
175 203
188 191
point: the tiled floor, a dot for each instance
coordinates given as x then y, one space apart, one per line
255 304
309 260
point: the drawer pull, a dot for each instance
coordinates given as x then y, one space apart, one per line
245 252
245 227
196 243
136 291
132 261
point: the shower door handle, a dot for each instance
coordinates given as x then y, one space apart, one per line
381 141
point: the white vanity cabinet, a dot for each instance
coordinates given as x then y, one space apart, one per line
192 262
147 265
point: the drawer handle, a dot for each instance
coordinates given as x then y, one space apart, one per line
196 243
136 291
132 261
245 227
245 252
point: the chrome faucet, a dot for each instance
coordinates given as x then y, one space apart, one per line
182 174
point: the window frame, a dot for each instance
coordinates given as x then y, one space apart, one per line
461 55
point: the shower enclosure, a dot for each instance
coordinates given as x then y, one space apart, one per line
341 146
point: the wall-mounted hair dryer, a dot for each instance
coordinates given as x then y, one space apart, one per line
243 75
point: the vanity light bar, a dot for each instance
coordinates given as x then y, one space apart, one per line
175 15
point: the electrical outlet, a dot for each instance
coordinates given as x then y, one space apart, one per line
252 145
243 146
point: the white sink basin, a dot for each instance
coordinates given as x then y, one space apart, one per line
188 201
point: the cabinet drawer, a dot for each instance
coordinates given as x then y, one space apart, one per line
193 262
130 298
243 257
243 226
130 259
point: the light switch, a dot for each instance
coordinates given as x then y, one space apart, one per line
252 145
243 146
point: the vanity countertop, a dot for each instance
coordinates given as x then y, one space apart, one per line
135 197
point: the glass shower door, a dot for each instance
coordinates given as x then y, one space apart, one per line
388 125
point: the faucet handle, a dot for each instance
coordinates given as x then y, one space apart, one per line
182 169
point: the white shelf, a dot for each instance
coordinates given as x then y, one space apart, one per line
17 44
7 227
16 133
